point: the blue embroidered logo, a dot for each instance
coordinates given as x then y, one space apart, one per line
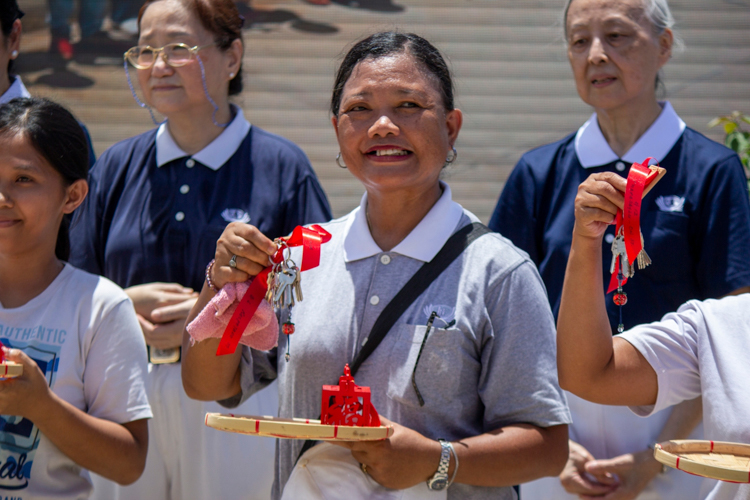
670 203
446 313
235 215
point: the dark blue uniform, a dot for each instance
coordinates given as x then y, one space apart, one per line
695 223
143 224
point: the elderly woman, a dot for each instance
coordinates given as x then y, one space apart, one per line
486 381
694 223
158 203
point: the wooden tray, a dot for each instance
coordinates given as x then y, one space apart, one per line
9 369
296 428
713 459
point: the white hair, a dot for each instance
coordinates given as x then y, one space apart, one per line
657 12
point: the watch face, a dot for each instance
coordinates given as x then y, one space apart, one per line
438 483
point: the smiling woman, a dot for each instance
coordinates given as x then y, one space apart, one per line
167 195
616 50
487 395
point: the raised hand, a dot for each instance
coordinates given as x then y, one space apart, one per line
597 202
251 248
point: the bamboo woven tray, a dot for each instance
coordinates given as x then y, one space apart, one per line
9 369
296 428
713 459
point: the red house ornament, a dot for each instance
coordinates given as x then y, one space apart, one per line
348 404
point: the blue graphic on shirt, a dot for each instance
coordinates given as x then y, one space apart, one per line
19 437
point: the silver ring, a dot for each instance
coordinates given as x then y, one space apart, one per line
233 262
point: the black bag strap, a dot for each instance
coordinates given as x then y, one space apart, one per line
423 278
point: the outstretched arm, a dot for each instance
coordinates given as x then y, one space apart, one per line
591 364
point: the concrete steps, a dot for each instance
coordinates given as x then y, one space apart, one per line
512 78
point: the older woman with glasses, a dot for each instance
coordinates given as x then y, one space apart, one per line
467 374
694 223
158 203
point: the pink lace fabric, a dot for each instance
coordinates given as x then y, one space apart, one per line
262 333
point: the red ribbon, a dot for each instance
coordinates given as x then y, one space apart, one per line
310 240
639 177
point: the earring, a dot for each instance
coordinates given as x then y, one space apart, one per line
14 54
338 160
452 156
231 75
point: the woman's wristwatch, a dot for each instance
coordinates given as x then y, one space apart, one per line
440 481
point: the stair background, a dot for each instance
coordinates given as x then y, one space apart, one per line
513 81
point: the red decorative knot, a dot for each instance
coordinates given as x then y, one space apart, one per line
620 298
287 328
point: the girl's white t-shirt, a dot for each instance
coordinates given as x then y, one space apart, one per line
83 333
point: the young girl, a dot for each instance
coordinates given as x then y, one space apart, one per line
81 402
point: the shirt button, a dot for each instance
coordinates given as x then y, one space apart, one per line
385 259
620 166
609 238
184 189
179 216
190 163
374 300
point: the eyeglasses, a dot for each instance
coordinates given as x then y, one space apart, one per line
431 319
175 54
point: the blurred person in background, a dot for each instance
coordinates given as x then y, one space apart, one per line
695 224
11 85
90 17
159 202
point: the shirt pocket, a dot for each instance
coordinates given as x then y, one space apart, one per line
669 247
440 372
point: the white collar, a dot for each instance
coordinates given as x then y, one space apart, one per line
593 150
424 241
16 89
215 154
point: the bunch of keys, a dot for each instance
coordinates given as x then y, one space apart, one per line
284 288
626 269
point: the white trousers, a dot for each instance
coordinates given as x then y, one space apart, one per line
189 461
611 431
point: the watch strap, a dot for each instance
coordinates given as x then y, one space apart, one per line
439 481
445 458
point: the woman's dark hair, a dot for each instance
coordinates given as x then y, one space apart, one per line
222 19
58 137
390 42
9 13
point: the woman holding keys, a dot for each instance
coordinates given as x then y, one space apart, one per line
480 387
699 350
694 224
